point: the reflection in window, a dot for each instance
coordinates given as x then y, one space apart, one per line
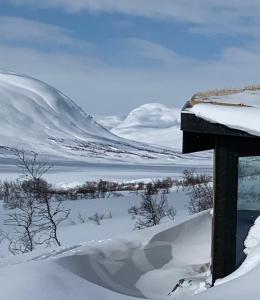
248 205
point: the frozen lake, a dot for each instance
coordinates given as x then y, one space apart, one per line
68 171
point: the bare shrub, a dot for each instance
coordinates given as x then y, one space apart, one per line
107 189
133 210
151 210
200 190
11 193
23 220
97 218
154 206
102 188
171 213
81 218
192 178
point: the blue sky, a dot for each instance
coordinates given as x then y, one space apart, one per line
111 56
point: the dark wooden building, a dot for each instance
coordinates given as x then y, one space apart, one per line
236 169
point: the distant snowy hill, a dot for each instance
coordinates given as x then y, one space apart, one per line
152 123
36 116
109 122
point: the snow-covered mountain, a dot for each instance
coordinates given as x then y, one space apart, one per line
32 111
109 122
152 123
36 116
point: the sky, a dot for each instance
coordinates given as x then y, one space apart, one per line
111 56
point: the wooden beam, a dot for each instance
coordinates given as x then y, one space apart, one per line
224 208
194 142
192 123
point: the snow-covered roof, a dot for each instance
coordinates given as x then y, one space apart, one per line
234 108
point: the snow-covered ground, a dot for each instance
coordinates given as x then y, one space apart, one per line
111 261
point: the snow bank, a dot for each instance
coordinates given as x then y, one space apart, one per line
146 263
244 282
252 250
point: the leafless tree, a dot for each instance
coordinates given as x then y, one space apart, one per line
38 214
51 216
30 166
23 220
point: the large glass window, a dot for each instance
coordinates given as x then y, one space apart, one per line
248 205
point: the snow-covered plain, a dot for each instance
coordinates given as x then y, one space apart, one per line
111 261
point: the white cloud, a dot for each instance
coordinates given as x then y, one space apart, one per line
14 29
103 89
205 16
152 51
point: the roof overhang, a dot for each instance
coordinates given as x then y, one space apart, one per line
200 135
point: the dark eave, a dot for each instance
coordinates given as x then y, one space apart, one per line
200 135
192 123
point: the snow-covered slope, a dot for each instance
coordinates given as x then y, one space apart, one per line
36 116
153 123
109 122
154 115
32 110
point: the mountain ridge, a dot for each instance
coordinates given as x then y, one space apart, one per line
35 116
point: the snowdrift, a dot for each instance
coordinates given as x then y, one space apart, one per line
142 265
145 264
